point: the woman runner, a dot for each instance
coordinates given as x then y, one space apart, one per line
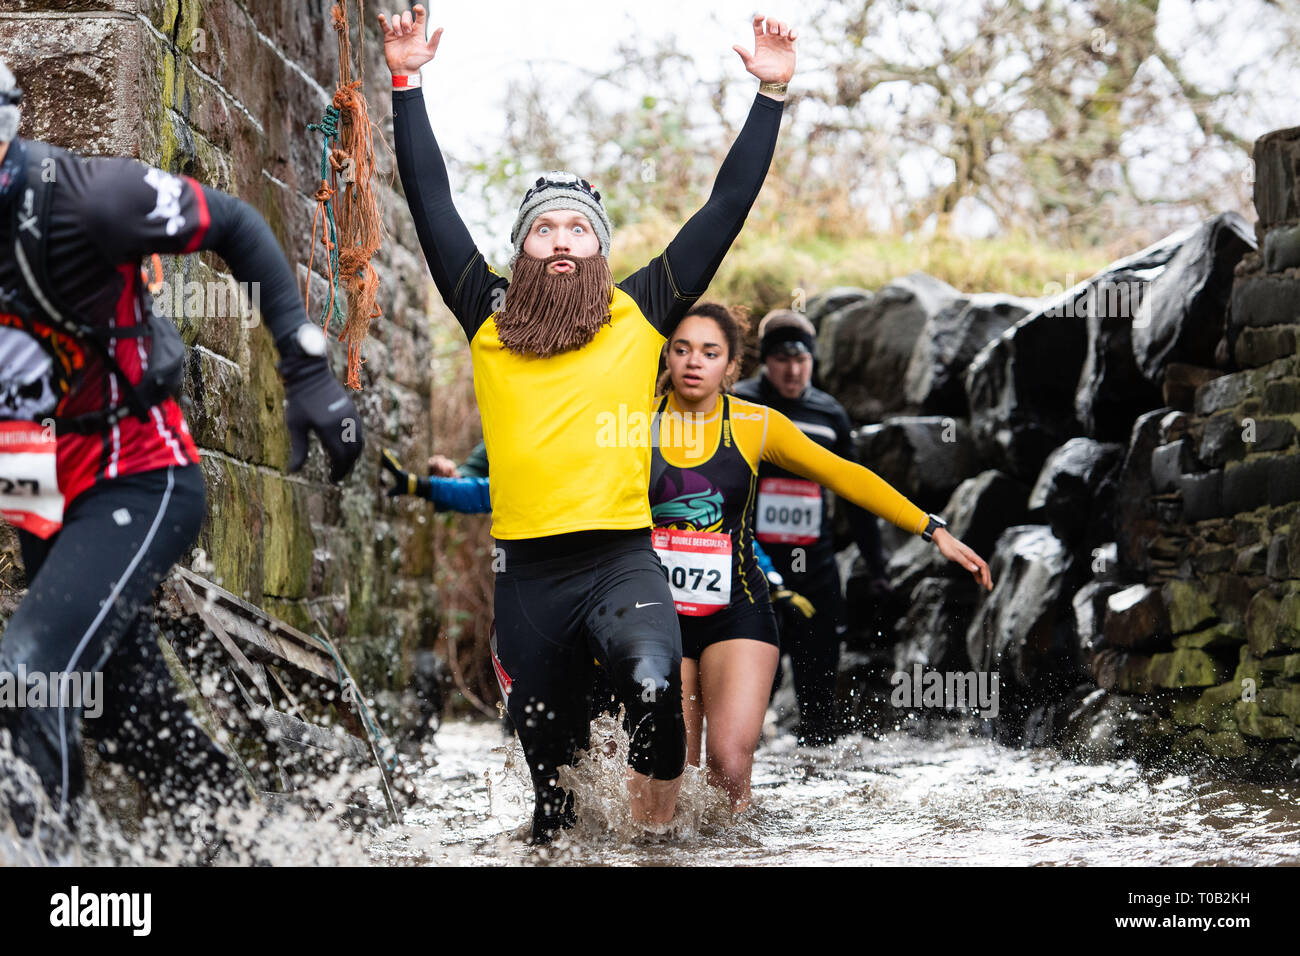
707 449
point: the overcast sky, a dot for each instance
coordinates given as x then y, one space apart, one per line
488 43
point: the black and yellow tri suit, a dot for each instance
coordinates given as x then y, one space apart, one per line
703 488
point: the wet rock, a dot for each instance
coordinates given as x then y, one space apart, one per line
1225 745
1024 628
1022 407
1089 604
873 341
1253 722
1256 347
1075 490
1282 398
1189 606
1203 496
934 629
1183 312
1106 725
1282 248
1170 462
1112 391
1135 617
833 300
1261 300
1135 515
1181 382
977 513
1245 485
1185 667
1276 566
1225 634
1224 392
924 458
935 377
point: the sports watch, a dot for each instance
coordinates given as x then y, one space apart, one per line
933 525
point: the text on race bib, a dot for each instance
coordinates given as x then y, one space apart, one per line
789 511
698 565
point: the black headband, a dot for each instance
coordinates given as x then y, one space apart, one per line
775 338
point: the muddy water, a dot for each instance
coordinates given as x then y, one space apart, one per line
895 800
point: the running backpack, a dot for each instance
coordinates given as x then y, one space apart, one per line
164 375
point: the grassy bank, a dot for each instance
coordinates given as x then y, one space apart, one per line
765 270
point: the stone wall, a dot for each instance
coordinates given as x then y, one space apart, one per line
1220 643
1125 455
223 91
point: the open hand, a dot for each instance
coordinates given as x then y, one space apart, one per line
773 58
440 466
954 550
405 47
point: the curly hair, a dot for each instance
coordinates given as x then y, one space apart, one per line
734 323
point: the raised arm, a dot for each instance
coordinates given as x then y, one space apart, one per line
670 284
464 280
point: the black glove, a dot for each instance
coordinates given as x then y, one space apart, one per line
317 402
792 602
405 483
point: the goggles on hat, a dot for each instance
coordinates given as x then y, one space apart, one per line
11 97
581 185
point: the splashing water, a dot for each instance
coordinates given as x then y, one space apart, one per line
895 799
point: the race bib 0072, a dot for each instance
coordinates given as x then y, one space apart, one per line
698 564
789 511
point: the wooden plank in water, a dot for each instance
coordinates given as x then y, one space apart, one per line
288 731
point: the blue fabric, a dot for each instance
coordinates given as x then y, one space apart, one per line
466 495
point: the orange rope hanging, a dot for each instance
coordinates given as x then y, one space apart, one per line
355 211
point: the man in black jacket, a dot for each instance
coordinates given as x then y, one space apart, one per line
793 518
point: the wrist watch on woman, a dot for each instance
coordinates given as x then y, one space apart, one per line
933 525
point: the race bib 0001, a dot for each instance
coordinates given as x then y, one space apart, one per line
29 486
789 511
698 565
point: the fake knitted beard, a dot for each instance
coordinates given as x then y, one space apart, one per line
549 313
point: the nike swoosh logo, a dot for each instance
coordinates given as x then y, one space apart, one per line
639 604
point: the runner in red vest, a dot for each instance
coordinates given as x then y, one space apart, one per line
98 470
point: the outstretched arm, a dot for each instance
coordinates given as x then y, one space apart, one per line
132 210
788 448
861 522
670 284
465 281
469 496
